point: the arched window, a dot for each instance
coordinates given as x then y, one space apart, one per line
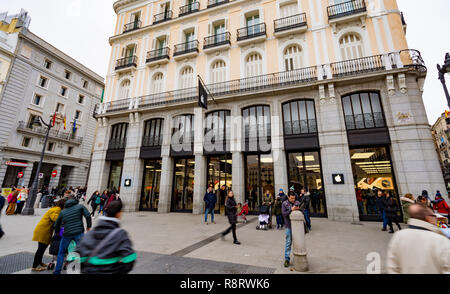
153 132
157 83
257 128
218 72
299 117
363 111
217 130
183 130
118 139
293 57
124 89
253 65
187 78
351 47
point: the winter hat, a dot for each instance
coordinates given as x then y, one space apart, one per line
425 194
438 193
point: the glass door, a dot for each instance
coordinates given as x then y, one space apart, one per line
115 175
252 25
219 175
219 33
189 38
151 185
259 178
183 187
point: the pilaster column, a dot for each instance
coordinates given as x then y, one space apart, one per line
165 190
279 156
27 180
133 167
236 148
200 163
3 168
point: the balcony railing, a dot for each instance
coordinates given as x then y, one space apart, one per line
190 8
158 54
213 3
152 141
251 32
126 62
217 40
65 136
132 26
395 60
117 144
185 48
365 121
290 22
164 16
346 8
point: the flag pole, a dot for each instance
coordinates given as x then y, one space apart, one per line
206 88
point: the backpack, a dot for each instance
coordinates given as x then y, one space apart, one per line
98 200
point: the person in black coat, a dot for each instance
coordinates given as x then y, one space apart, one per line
231 207
381 202
2 203
210 203
94 202
391 208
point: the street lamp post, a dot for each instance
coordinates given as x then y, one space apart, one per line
442 71
29 207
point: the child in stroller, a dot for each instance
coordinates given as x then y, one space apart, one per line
263 218
244 211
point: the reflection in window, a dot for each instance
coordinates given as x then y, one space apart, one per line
217 130
183 130
257 128
152 179
153 132
363 111
299 117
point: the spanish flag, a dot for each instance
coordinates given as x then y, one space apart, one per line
447 113
65 119
54 119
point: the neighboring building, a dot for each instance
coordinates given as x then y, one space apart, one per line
41 81
441 134
318 94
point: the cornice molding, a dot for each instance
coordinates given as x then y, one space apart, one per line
121 3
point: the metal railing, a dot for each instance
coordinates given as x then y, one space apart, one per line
153 141
346 8
65 136
117 144
213 3
217 40
187 47
126 62
365 121
132 26
190 8
158 54
290 22
408 58
359 65
251 31
160 17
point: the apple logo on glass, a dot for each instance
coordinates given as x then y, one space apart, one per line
338 179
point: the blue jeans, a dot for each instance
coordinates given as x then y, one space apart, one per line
102 207
63 246
209 210
385 220
279 221
287 249
307 218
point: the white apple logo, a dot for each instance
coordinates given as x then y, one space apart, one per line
338 178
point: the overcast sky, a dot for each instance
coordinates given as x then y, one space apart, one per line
80 28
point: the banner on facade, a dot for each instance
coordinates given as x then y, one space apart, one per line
202 95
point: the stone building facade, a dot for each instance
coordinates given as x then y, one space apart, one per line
321 95
41 81
441 135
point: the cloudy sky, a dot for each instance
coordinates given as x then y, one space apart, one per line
81 28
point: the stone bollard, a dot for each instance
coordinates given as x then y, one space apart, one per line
38 198
298 241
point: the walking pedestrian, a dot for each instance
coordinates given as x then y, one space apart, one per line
107 249
391 209
231 208
407 201
103 198
12 200
114 197
2 203
441 206
268 201
94 201
422 248
305 201
380 202
277 212
287 207
43 234
210 200
282 195
72 219
21 199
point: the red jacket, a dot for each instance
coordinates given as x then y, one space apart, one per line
442 207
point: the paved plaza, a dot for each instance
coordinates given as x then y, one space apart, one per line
182 244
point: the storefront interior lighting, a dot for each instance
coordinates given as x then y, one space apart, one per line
306 158
228 161
363 155
373 162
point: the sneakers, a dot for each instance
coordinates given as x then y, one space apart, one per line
38 269
384 229
286 263
236 242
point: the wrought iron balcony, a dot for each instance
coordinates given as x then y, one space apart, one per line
403 59
214 3
190 8
251 32
117 144
186 47
132 26
126 62
158 54
365 121
164 16
54 134
346 9
217 40
290 22
154 141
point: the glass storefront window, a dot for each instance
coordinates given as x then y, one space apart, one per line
259 179
115 175
305 172
183 189
151 185
219 174
363 111
372 170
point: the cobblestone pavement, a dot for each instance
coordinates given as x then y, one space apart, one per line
182 243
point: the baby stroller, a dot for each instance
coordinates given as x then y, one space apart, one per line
54 250
264 218
244 212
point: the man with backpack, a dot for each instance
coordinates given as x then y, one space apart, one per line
71 217
107 249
